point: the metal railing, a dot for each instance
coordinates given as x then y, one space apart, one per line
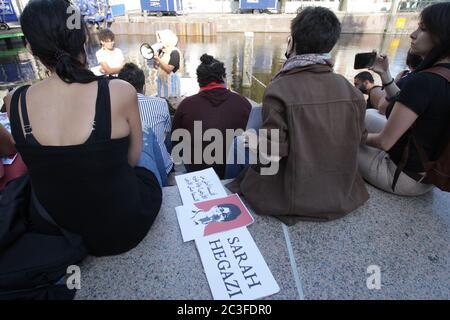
415 5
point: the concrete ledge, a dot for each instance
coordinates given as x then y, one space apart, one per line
407 237
211 25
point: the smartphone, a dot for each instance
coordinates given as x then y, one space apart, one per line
365 60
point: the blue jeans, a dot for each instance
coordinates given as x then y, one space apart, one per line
237 161
242 157
151 158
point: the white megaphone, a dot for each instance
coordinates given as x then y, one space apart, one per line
149 51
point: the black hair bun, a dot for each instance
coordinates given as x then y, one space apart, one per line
207 59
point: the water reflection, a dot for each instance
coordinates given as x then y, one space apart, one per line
17 65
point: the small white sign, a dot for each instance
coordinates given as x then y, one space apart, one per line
96 71
234 266
200 186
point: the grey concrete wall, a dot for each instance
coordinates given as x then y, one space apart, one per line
209 25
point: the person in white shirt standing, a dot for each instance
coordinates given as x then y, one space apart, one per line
111 59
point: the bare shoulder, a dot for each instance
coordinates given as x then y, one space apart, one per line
122 93
378 90
122 88
376 94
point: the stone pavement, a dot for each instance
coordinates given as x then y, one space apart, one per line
408 238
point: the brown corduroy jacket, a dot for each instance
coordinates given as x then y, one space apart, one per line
320 117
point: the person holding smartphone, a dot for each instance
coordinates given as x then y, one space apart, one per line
413 61
421 111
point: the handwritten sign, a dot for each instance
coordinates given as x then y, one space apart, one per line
234 266
200 186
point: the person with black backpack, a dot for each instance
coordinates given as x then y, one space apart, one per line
409 153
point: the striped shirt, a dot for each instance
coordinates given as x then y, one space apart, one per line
155 116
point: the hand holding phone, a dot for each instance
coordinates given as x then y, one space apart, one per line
381 65
365 60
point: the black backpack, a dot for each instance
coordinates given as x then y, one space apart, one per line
33 266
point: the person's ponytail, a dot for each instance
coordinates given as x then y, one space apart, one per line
59 47
71 70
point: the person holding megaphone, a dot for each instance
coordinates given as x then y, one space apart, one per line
167 59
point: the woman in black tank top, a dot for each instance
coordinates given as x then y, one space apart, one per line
92 188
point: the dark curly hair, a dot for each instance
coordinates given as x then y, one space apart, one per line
133 75
315 30
105 35
365 76
210 70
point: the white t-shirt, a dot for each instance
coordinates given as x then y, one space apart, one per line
114 58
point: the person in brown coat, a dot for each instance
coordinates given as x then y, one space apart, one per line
320 120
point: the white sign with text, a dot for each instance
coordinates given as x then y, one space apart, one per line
200 186
234 266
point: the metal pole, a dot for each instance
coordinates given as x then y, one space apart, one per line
389 25
282 6
19 6
257 80
395 5
247 69
392 15
343 5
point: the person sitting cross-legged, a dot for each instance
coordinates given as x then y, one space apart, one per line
314 122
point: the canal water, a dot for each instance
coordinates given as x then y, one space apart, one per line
17 66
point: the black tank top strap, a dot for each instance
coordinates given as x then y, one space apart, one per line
102 122
23 107
16 124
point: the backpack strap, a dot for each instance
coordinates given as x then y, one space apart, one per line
440 71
